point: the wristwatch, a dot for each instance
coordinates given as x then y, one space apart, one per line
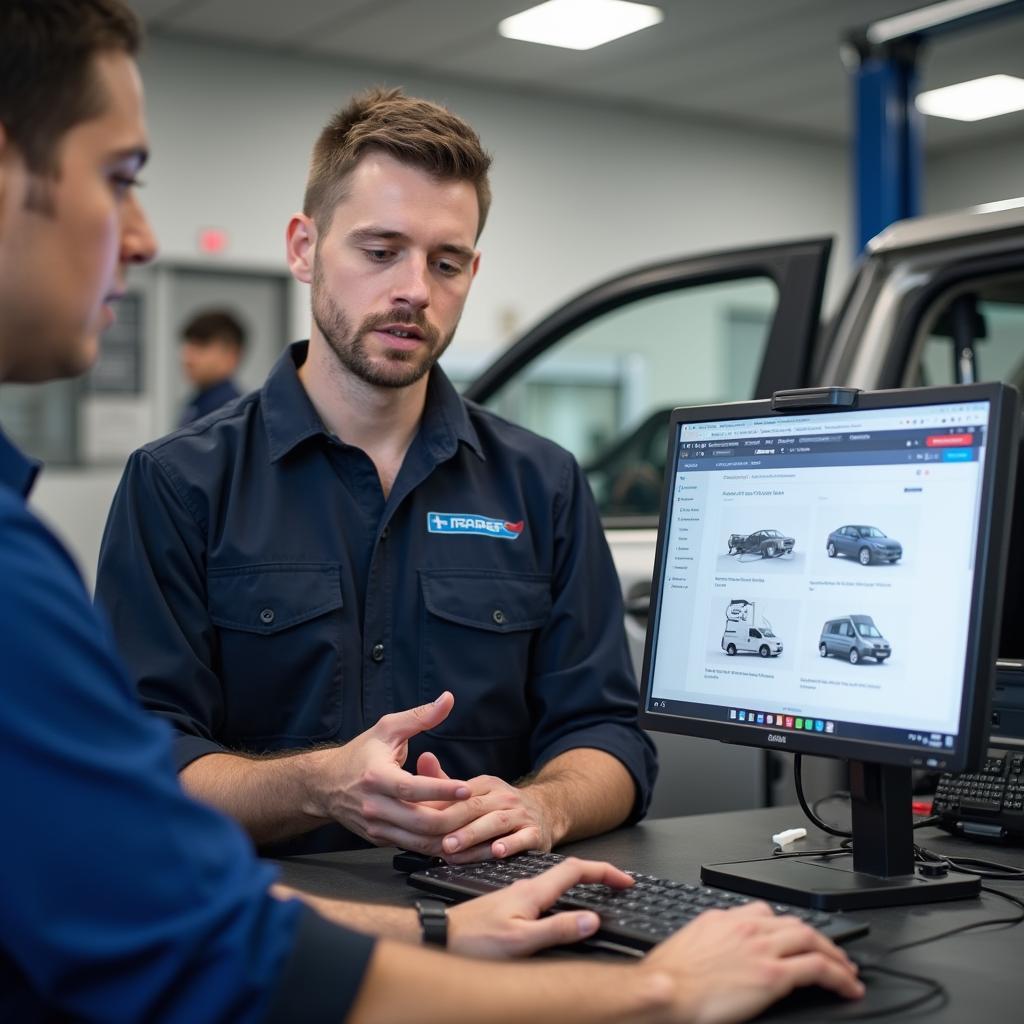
433 921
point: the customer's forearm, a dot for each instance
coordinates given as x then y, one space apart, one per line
401 923
269 796
404 983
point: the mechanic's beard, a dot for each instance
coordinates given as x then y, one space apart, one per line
398 368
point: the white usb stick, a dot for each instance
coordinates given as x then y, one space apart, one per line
791 834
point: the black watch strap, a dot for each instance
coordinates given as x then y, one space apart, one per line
433 921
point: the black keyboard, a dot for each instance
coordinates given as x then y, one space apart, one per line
989 803
636 918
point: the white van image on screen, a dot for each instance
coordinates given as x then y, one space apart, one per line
853 637
743 635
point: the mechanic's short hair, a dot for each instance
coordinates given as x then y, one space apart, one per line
47 80
413 131
214 324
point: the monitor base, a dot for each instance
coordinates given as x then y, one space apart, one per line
826 883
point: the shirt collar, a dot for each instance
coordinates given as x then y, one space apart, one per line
290 418
288 414
446 420
16 470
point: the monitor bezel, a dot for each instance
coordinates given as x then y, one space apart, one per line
985 616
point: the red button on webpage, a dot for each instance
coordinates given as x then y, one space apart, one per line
949 440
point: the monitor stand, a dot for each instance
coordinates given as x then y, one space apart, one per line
882 873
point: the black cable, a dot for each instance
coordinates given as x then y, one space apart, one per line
966 927
839 794
972 865
798 780
810 810
936 990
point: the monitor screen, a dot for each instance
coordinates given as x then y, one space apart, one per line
820 575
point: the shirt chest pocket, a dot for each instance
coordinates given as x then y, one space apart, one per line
479 630
279 628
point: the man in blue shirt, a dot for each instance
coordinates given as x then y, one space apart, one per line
355 538
212 343
121 899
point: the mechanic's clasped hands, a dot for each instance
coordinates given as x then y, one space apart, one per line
364 786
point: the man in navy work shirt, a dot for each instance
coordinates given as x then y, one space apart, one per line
121 899
355 538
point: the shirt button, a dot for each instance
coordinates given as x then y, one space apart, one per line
498 615
377 653
267 616
385 533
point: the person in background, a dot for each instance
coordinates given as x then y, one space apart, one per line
212 345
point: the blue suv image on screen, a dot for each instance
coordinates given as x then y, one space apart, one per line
853 637
865 543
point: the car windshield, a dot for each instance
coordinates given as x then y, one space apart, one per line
868 629
871 531
772 533
767 632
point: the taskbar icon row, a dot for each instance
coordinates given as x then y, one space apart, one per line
777 721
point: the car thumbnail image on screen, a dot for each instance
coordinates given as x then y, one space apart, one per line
745 633
765 543
853 637
865 543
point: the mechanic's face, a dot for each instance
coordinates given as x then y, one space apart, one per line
392 273
65 242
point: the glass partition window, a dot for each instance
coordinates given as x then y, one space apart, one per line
604 391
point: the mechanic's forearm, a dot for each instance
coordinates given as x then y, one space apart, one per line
433 988
585 792
399 923
269 796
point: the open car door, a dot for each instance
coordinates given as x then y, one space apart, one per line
600 375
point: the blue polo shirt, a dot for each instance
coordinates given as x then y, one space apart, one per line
267 596
124 900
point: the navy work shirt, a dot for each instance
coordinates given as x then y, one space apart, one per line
208 400
122 899
267 596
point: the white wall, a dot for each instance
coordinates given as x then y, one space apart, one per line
581 192
973 175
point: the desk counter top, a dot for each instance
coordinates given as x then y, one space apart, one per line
982 969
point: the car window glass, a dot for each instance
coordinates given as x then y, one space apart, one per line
975 333
605 390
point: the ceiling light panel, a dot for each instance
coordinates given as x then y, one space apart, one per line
579 24
975 100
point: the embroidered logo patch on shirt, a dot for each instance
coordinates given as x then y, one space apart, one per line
480 526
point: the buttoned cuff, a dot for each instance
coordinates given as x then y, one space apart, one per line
190 748
322 975
627 744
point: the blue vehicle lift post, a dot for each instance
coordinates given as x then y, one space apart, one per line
888 150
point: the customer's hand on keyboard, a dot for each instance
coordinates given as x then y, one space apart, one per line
509 922
728 965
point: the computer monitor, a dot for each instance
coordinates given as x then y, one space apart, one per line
828 581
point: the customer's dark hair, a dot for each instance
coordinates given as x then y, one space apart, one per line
416 132
214 323
47 81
